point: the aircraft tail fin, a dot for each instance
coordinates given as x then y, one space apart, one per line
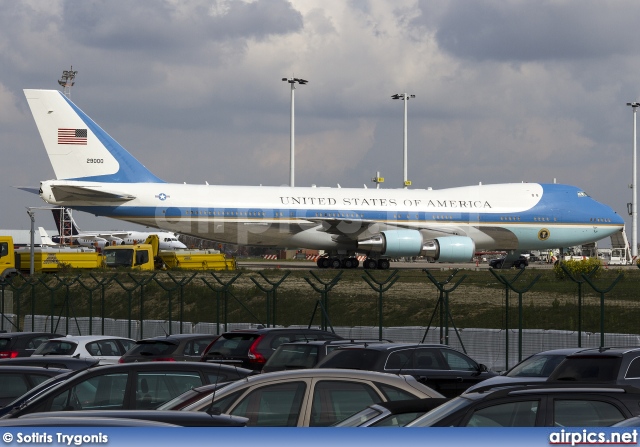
64 222
78 148
44 237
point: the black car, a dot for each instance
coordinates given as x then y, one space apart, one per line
176 347
535 368
251 348
396 413
128 386
536 405
306 354
22 344
440 367
519 263
52 362
614 365
177 418
17 380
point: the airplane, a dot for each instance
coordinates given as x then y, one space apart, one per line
68 232
97 175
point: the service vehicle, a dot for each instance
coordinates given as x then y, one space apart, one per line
147 256
45 259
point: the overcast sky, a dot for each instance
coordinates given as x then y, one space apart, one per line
506 91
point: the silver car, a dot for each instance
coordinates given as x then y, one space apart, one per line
302 398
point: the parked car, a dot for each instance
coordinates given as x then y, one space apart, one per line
176 347
535 368
391 414
69 421
143 385
52 362
440 367
536 405
304 398
307 354
105 348
22 344
176 418
614 365
17 380
519 263
251 348
35 391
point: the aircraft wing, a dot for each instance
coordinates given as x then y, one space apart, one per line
351 229
93 193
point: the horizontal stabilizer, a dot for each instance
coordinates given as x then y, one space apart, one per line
93 194
31 189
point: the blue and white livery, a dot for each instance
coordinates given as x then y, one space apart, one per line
96 175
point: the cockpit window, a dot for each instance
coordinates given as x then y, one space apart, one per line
582 194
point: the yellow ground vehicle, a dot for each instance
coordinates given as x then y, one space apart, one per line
147 256
45 259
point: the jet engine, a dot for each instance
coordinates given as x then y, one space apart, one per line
399 243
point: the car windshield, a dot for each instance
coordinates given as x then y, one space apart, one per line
439 413
294 356
232 344
351 359
191 396
147 347
47 384
56 347
359 418
536 366
588 369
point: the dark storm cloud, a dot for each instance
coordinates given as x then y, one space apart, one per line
536 30
147 24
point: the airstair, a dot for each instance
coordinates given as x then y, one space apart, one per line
620 249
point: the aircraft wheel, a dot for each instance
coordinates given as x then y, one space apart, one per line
383 264
370 264
323 262
348 263
335 263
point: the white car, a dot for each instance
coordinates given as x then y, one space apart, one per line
106 348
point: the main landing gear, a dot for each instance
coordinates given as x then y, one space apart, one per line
352 262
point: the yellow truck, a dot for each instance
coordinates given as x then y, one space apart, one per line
147 256
45 259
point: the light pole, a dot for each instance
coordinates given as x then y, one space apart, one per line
293 81
405 97
634 193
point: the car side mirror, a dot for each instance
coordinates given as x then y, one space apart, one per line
482 367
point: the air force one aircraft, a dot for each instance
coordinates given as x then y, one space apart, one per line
96 175
68 231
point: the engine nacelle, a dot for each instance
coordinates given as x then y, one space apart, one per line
398 243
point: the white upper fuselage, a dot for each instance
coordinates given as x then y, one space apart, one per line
505 216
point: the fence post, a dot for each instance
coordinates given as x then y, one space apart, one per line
221 292
520 292
143 282
602 292
324 297
179 284
443 304
380 287
272 292
571 277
